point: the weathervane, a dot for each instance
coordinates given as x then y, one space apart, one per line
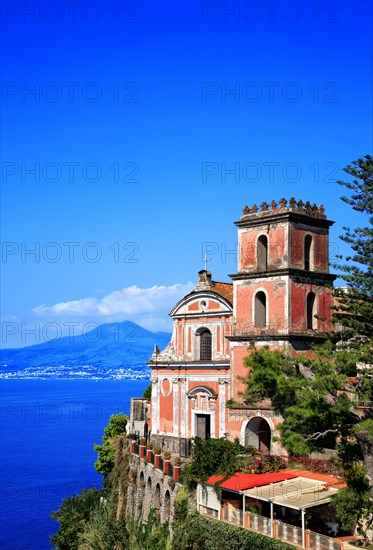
205 260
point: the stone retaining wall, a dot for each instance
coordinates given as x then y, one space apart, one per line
150 488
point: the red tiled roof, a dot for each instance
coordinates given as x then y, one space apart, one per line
241 482
224 289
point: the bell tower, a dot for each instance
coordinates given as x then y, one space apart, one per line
282 290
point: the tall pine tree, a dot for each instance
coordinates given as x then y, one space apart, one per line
355 304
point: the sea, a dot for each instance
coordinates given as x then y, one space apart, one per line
47 431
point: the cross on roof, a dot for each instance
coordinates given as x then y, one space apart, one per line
205 260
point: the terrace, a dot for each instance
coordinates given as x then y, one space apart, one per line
159 461
290 505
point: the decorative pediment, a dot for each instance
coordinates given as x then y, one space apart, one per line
202 303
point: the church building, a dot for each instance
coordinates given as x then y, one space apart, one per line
281 297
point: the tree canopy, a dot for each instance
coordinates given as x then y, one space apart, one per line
305 391
106 452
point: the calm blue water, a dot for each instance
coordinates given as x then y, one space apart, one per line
48 428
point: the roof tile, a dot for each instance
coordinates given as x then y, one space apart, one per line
240 481
224 289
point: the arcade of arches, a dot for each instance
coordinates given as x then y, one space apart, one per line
151 489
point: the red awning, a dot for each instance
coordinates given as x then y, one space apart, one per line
240 482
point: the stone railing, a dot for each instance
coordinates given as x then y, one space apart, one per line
260 524
288 533
285 532
322 542
247 329
209 512
231 515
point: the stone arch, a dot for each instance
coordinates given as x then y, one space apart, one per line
257 432
148 497
140 493
202 390
166 507
157 500
130 497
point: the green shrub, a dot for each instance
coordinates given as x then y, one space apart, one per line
325 466
106 452
103 531
181 504
72 516
201 533
151 535
212 457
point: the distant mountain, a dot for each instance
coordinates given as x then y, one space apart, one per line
110 347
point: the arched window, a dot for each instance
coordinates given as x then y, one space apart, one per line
310 314
308 250
260 309
262 253
205 344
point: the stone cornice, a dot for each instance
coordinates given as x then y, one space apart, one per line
210 365
305 336
208 313
288 271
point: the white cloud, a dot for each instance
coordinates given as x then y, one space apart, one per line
146 306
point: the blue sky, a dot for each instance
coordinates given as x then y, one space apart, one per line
139 113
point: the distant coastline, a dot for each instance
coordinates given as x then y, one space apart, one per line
80 373
113 351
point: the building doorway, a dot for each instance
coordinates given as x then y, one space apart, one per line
258 434
203 426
